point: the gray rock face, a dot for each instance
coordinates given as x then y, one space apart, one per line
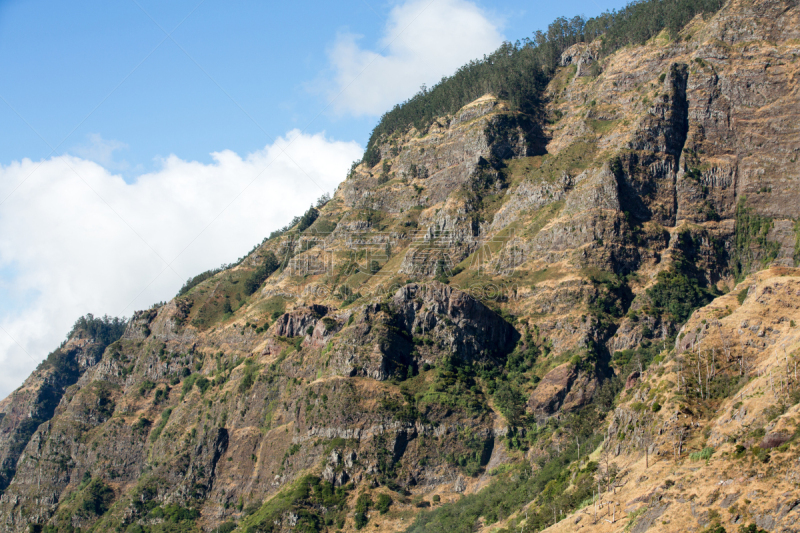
563 388
297 322
35 402
581 55
443 159
460 323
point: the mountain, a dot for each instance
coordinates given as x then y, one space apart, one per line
568 302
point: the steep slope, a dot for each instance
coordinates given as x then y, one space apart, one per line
36 400
499 296
722 441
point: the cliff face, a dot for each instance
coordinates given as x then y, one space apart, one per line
36 400
461 313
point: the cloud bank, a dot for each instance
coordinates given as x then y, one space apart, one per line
422 41
76 238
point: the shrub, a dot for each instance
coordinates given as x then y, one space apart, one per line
742 295
704 455
762 454
751 528
383 504
363 503
268 265
145 387
198 279
142 425
97 498
103 330
677 294
203 384
225 527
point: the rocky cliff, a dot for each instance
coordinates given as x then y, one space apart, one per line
509 318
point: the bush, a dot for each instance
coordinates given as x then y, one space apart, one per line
363 503
677 294
383 504
145 387
198 279
762 454
703 455
361 520
142 425
103 330
97 498
307 219
742 295
752 528
203 384
225 527
268 265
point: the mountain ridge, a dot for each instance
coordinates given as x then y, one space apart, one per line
500 318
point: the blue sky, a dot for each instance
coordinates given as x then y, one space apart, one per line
236 75
143 142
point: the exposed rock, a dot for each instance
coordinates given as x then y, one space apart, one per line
563 388
463 325
774 439
297 322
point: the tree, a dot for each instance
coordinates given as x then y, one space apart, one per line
269 264
384 502
678 438
322 200
646 438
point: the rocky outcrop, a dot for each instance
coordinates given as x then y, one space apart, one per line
460 324
442 160
562 389
582 56
35 402
297 322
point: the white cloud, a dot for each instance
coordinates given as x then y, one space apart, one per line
75 238
423 40
102 151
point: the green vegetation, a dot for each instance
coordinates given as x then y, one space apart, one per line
363 503
383 504
796 254
95 499
751 246
302 222
165 414
200 278
676 294
742 295
548 485
703 455
269 264
751 528
307 219
103 330
519 72
65 371
306 498
174 519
